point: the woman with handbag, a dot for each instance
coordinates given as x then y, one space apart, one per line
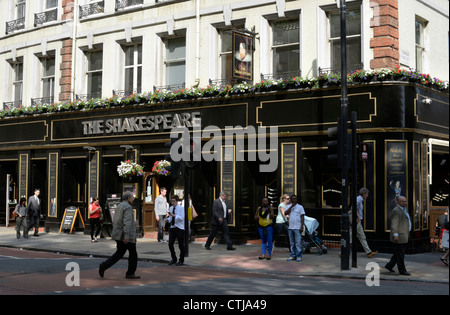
95 215
265 216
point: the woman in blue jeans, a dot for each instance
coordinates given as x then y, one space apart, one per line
265 216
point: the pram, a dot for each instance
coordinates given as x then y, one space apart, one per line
309 237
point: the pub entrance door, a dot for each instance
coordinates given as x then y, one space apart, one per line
150 192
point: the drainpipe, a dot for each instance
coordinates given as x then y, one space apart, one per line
74 50
197 48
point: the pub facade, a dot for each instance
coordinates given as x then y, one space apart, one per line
73 155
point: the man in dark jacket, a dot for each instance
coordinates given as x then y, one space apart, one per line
33 211
219 220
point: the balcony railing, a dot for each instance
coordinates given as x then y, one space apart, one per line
42 101
91 9
11 105
126 92
15 25
122 4
87 97
282 75
173 87
350 68
44 17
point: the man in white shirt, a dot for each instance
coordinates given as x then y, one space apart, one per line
296 215
161 207
175 217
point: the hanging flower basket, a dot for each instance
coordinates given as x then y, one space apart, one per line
159 168
128 169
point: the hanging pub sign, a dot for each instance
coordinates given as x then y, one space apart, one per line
242 56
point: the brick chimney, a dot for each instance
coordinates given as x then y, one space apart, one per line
384 43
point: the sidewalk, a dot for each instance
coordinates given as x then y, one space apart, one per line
424 267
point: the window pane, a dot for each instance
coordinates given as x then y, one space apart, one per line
139 52
419 52
286 59
49 67
18 91
129 55
139 79
18 72
226 41
95 60
226 61
47 88
95 84
52 4
129 79
176 48
175 73
285 32
419 33
353 23
353 52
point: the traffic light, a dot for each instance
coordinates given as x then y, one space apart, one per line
334 152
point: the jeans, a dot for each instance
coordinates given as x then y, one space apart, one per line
161 225
267 240
295 239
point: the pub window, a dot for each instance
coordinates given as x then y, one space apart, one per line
285 47
48 77
420 44
133 68
353 39
175 61
18 81
94 73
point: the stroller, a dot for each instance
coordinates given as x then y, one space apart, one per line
310 238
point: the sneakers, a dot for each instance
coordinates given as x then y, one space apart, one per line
298 259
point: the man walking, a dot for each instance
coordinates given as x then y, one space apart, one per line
161 212
400 228
124 233
363 194
220 219
296 214
175 217
34 212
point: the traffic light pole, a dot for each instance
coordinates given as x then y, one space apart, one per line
186 207
345 223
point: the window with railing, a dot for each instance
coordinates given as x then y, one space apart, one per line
285 48
17 85
175 61
353 36
420 44
94 73
19 21
132 69
123 4
47 82
91 9
48 15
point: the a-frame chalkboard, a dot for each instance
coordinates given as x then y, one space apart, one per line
68 220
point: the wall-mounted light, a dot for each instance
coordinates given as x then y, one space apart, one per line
89 148
127 147
427 101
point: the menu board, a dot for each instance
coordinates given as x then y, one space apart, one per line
93 175
289 168
227 180
23 176
52 184
424 177
69 218
396 167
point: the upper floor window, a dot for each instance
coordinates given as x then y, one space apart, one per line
48 77
49 4
133 68
353 35
420 44
17 81
20 9
94 73
285 47
175 61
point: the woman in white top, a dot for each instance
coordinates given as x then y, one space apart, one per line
281 222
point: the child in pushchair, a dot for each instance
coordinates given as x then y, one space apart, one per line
310 238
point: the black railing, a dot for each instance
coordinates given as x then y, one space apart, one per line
15 25
350 68
42 100
44 17
282 75
91 9
11 105
126 92
87 97
173 87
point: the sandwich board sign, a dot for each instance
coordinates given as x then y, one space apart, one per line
70 215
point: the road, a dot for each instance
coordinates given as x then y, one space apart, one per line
25 272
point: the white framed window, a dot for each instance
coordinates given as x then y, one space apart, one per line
420 27
175 61
225 53
285 46
94 73
50 4
20 9
132 68
353 36
17 81
48 77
